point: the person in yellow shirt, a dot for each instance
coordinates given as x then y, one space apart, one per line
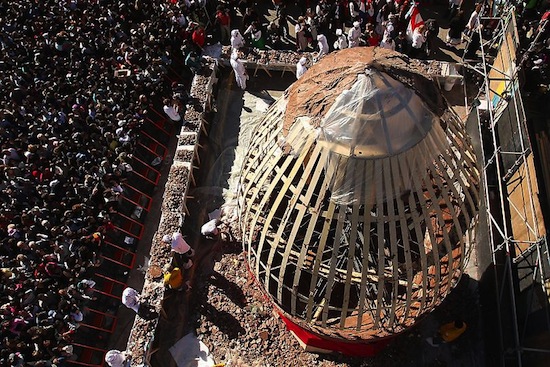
448 333
173 279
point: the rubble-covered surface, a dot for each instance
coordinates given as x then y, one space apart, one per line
186 154
175 187
239 325
187 138
231 315
268 57
313 96
142 335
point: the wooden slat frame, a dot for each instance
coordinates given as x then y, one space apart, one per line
442 162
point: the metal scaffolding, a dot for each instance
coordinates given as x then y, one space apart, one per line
517 234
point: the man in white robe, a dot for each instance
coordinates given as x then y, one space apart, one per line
323 46
301 67
241 76
354 35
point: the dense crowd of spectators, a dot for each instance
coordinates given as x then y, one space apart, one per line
534 32
362 23
77 80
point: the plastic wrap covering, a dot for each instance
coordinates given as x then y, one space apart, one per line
299 135
377 118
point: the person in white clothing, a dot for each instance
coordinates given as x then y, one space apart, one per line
418 40
354 34
323 46
387 43
210 229
171 110
116 358
237 40
473 23
181 249
341 40
130 299
301 67
241 76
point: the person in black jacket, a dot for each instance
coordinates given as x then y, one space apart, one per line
456 27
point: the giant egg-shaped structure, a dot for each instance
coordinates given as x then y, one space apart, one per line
359 197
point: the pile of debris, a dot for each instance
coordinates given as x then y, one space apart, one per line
173 216
267 57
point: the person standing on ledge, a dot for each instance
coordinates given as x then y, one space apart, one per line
131 299
301 67
116 358
181 249
237 40
241 76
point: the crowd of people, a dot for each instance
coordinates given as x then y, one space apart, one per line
78 81
534 33
327 25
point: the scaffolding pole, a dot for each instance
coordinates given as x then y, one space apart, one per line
501 234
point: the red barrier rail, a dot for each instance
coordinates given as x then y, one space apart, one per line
130 226
109 287
145 170
153 145
101 321
122 256
88 354
144 177
162 125
137 197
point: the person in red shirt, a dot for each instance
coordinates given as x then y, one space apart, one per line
223 19
373 39
198 36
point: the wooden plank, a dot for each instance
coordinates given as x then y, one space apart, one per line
397 181
263 202
367 219
441 229
406 173
526 212
379 186
372 275
320 250
334 261
296 164
351 256
467 177
418 174
288 211
312 165
393 257
448 182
